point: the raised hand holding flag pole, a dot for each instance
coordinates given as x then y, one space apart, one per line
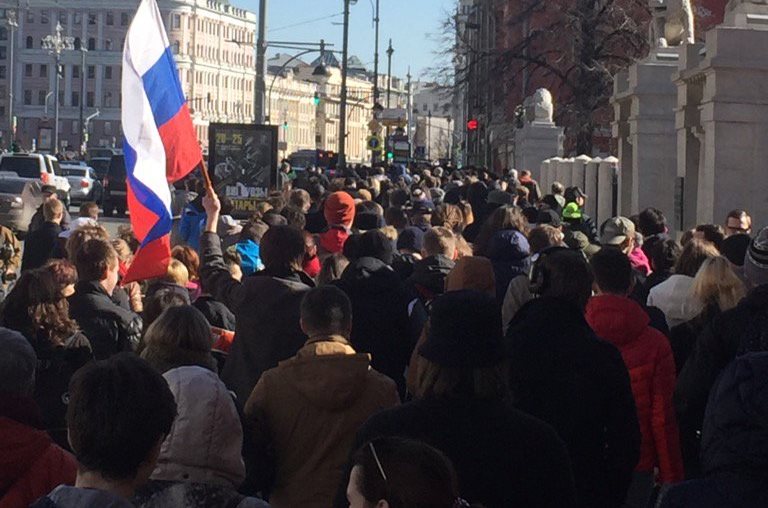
160 142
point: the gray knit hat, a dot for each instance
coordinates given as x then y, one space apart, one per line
756 261
17 363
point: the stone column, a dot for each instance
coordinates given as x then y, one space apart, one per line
535 142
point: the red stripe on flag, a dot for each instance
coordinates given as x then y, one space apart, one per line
182 151
151 261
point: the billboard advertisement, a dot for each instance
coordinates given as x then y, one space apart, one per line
242 160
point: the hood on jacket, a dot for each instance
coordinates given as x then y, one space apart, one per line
22 446
329 373
250 255
735 433
616 318
370 274
205 442
333 240
535 321
509 246
673 298
431 273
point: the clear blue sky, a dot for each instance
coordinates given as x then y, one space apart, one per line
413 25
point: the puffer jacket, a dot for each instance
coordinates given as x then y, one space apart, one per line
734 447
30 464
649 360
508 251
200 460
308 410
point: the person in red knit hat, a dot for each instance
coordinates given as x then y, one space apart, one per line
339 212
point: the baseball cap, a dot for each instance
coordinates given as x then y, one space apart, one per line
615 231
571 193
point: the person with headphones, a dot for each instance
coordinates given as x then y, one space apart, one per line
562 373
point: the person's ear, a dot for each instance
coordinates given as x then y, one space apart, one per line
303 328
382 504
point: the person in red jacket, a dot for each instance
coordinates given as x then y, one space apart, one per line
339 212
30 463
648 356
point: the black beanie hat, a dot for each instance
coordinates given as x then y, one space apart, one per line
464 331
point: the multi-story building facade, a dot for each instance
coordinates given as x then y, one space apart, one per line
212 40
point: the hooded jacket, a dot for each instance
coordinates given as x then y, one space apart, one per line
673 298
266 309
648 357
308 409
508 251
387 323
734 442
428 277
191 224
563 374
30 464
200 460
250 256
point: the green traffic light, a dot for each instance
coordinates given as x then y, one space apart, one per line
390 155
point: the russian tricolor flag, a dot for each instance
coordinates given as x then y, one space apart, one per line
160 142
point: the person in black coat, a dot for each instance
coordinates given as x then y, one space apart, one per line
428 277
562 373
503 457
734 446
48 193
40 244
109 327
266 304
388 317
737 331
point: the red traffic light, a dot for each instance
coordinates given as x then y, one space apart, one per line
472 125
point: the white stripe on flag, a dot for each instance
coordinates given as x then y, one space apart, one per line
146 36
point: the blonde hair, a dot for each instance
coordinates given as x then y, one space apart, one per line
716 283
440 240
82 235
177 273
390 232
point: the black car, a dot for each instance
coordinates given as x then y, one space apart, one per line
115 195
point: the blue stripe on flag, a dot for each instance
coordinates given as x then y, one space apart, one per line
147 198
163 88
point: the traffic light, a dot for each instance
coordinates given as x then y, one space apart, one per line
390 155
316 99
472 124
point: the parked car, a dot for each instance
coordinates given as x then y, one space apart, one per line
84 184
100 165
19 199
115 189
104 152
36 166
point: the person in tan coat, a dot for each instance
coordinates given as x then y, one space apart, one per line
307 410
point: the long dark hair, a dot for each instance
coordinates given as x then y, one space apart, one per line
36 308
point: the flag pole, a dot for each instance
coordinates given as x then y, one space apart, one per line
207 178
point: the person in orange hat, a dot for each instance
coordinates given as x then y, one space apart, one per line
339 212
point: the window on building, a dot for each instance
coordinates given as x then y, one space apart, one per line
91 43
91 18
110 19
108 128
77 18
28 71
75 125
89 99
175 21
107 99
27 97
30 17
41 94
75 98
176 47
124 19
44 16
43 71
91 71
63 17
76 71
3 52
30 42
108 72
108 45
3 33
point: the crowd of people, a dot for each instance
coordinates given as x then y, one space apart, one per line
387 337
